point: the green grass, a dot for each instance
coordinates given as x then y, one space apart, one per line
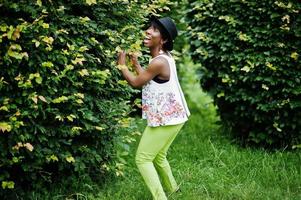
207 163
209 166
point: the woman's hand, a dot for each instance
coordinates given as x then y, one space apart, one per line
134 59
135 62
121 58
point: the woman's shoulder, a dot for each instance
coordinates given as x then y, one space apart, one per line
159 60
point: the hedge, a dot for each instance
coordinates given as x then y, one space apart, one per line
249 51
64 105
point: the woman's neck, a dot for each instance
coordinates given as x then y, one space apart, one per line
156 51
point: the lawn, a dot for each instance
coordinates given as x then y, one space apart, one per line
209 166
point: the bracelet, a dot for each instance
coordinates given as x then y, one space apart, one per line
121 67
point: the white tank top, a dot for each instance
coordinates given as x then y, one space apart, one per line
164 103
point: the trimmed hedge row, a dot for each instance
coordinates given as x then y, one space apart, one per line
63 103
249 51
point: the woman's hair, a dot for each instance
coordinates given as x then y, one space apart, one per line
164 34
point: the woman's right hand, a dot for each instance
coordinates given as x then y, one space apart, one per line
121 57
135 62
134 59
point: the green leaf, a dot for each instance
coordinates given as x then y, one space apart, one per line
39 80
70 159
5 127
8 185
47 64
52 158
60 99
90 2
39 3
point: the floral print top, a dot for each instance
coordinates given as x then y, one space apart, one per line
164 103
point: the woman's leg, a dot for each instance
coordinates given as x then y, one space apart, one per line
153 141
163 168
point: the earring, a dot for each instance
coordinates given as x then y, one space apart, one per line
161 49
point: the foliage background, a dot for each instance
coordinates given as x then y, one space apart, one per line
249 51
64 106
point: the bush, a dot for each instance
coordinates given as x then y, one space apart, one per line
63 103
249 51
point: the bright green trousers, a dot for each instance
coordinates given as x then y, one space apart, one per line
151 159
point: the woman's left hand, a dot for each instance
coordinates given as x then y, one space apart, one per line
121 58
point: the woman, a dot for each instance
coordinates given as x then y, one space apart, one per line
163 105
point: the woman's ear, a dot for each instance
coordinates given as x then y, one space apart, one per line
163 41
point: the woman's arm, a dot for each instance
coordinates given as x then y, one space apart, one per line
144 76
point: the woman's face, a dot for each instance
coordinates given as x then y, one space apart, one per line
153 37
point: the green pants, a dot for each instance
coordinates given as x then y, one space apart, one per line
151 159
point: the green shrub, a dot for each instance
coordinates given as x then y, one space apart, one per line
63 103
249 51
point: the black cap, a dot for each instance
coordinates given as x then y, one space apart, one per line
170 28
